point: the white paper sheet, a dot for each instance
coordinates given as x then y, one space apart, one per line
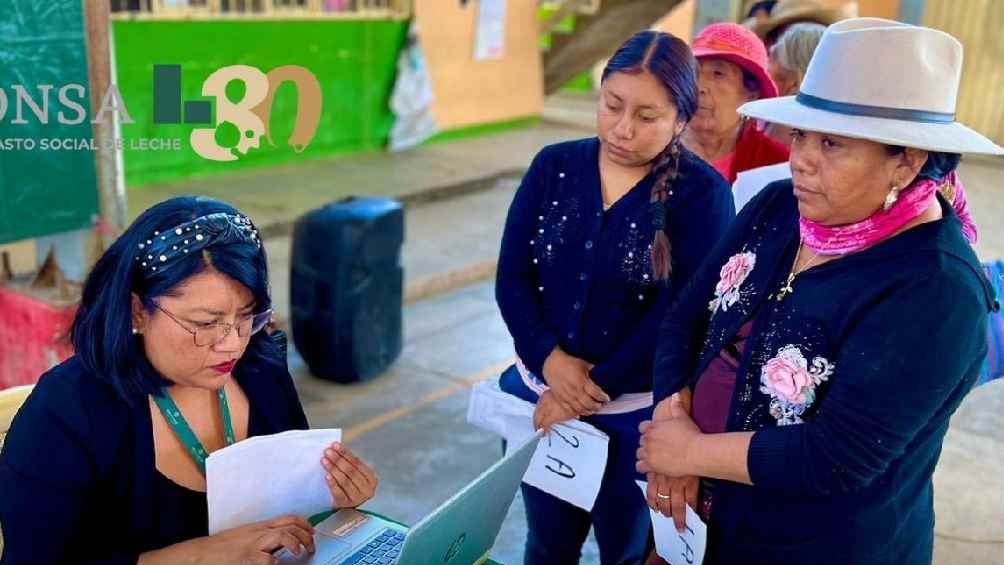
676 548
489 37
263 477
749 183
499 412
569 462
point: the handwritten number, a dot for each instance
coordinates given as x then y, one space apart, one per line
688 553
574 442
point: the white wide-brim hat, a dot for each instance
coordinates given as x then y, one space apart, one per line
884 81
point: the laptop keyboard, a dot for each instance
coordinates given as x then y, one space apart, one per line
383 550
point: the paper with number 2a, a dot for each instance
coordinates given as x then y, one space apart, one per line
569 461
677 548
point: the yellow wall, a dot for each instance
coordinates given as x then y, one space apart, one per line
887 9
978 27
680 21
469 92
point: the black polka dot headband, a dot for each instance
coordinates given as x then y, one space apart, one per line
164 248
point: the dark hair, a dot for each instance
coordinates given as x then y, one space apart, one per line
670 60
750 82
938 164
102 330
767 5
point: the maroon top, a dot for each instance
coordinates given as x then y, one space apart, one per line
713 392
713 397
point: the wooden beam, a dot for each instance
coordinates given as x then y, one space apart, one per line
111 188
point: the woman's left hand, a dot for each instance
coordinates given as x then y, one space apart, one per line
665 444
351 481
550 411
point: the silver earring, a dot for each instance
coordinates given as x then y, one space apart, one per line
891 198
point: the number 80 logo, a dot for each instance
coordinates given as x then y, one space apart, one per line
251 114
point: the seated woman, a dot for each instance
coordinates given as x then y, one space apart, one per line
837 327
732 71
105 462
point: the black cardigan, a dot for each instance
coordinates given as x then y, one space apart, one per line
77 467
899 331
573 275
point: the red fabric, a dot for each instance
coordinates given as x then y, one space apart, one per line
724 165
34 336
755 149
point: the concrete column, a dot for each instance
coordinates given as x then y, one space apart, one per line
912 11
711 11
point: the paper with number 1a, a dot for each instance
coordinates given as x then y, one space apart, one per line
676 548
569 461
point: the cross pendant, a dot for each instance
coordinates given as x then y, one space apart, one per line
786 289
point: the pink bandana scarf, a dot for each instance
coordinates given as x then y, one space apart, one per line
850 238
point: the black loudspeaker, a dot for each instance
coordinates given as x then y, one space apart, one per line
346 286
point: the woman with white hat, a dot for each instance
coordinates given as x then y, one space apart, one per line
810 369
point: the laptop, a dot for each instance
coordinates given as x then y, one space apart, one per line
460 532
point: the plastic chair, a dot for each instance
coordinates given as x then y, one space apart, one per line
11 400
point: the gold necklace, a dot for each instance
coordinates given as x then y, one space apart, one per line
787 288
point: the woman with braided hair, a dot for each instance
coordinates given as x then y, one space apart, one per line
601 235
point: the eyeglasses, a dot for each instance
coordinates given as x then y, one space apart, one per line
215 332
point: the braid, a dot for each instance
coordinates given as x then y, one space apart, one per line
666 170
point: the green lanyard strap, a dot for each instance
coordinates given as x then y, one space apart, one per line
184 432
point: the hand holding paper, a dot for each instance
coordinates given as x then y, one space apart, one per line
267 476
550 411
679 548
568 463
351 480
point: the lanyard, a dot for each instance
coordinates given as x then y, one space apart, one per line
184 432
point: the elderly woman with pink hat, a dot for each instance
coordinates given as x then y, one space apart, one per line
808 373
733 71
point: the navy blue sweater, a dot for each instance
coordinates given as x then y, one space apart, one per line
899 331
573 275
78 483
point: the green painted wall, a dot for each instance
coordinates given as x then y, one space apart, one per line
354 61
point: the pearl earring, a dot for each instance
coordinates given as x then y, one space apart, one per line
135 331
891 198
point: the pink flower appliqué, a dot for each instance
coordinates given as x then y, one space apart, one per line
787 375
732 276
791 382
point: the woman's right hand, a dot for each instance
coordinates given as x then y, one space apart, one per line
680 491
251 544
676 495
568 377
